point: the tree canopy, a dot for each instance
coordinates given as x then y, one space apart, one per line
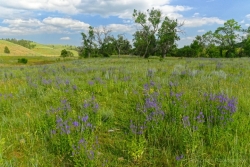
157 35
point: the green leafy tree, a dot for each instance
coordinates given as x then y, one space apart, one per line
88 42
246 46
168 35
122 45
6 50
150 23
228 36
65 53
185 51
104 41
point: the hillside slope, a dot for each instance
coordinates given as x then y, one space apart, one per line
52 50
16 50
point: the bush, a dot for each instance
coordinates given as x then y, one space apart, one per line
105 54
6 50
22 60
65 53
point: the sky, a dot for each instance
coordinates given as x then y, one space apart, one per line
62 21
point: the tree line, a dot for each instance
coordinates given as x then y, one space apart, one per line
157 35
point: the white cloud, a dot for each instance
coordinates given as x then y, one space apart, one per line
248 16
65 38
47 25
64 6
121 28
7 31
120 8
188 38
201 30
197 22
23 23
196 14
242 21
66 23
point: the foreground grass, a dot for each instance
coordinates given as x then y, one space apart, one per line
126 112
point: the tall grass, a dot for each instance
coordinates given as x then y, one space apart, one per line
126 112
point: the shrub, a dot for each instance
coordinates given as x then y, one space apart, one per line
6 50
105 54
65 53
22 60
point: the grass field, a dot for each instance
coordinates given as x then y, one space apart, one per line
16 50
126 112
52 50
39 50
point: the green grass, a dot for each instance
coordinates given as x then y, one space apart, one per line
16 50
39 50
129 111
53 50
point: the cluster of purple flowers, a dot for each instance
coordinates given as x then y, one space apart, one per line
150 111
221 108
217 109
73 128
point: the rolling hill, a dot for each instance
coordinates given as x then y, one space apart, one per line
16 50
39 50
52 50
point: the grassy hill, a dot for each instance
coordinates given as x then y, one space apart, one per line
16 50
39 50
52 50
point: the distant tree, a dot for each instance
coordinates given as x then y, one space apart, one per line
104 41
246 46
121 44
140 44
65 53
25 43
6 50
185 51
197 48
149 22
88 42
213 51
228 36
168 35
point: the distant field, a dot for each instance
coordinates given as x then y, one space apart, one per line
52 50
39 50
16 50
128 111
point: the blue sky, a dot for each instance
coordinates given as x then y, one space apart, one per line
62 21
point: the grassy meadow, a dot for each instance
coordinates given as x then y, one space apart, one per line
125 111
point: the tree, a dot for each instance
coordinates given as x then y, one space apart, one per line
104 40
227 37
246 46
119 42
6 50
140 44
88 42
150 23
167 35
186 51
65 53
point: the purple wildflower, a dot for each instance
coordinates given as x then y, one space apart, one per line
84 119
178 158
76 124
